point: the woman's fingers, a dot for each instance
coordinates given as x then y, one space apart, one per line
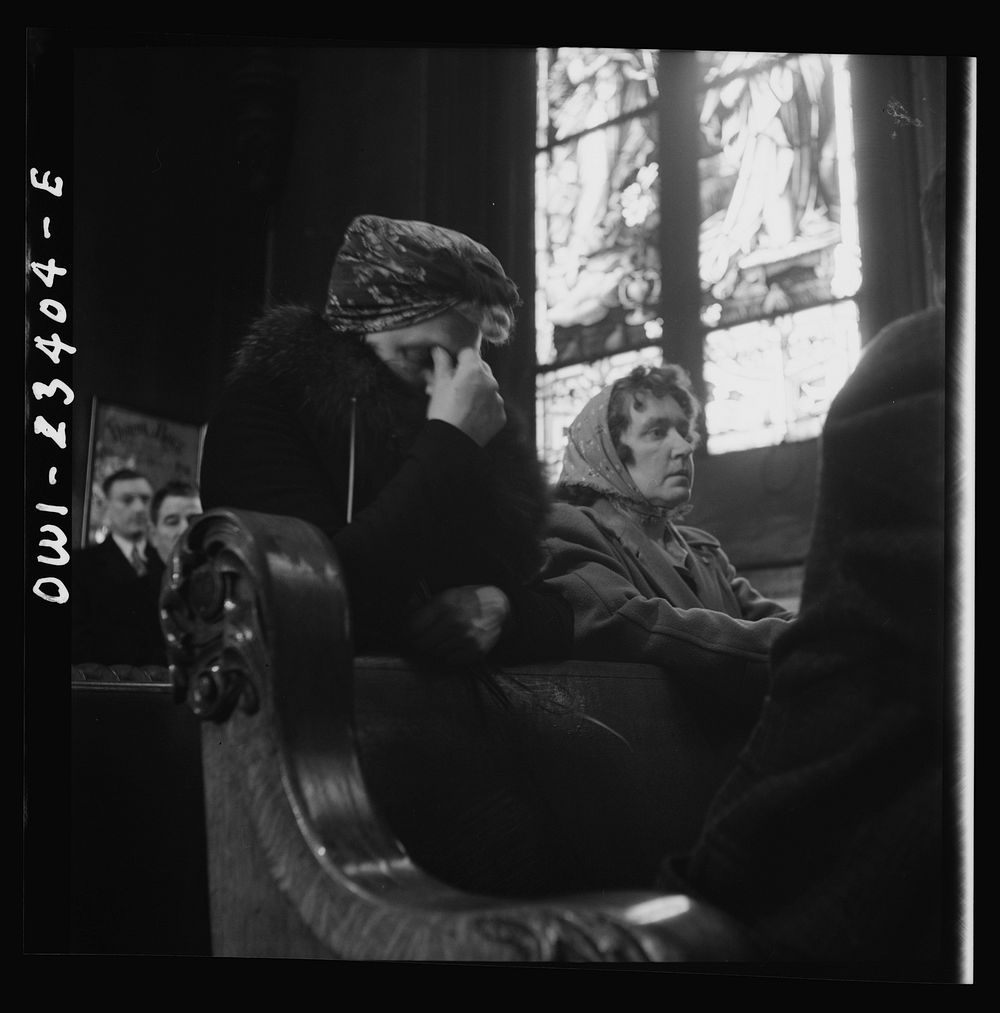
443 365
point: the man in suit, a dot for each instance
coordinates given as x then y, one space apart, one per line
173 508
116 584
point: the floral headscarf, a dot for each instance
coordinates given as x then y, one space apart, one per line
390 273
591 461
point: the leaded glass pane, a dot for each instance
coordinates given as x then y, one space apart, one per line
717 66
779 255
562 393
778 229
771 381
586 87
598 260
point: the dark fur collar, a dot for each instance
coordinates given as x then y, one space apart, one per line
292 350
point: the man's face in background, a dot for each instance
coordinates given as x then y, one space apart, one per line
172 520
127 509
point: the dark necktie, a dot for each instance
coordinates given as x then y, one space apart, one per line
138 563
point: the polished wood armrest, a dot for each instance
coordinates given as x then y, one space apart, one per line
303 861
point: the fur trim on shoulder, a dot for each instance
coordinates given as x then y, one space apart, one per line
521 500
293 349
318 372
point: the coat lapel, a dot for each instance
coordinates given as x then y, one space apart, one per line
712 592
118 567
659 572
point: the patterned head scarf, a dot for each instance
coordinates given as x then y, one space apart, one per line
591 461
390 273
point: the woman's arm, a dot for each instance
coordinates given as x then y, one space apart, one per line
257 456
613 620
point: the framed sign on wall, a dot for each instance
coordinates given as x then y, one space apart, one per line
162 449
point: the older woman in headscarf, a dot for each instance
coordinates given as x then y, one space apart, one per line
378 421
643 587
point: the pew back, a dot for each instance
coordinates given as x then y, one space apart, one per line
540 779
138 866
361 809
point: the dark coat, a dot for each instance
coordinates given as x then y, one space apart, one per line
630 603
115 612
827 839
431 509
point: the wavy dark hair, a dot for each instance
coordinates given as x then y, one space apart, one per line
121 475
173 488
668 380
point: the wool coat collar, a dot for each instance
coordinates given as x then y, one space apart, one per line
657 567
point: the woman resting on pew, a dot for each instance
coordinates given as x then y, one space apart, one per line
378 421
643 587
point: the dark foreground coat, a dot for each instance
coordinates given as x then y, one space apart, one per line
828 839
431 509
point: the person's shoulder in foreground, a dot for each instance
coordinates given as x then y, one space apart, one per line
828 839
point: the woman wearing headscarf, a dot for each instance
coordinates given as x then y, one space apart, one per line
644 588
378 421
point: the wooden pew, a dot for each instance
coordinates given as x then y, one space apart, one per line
137 849
362 809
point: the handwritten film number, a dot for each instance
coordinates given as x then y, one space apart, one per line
50 588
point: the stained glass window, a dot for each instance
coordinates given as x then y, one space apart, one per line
772 380
597 203
580 88
778 235
563 392
778 258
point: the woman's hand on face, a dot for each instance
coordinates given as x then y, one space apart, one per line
459 626
466 395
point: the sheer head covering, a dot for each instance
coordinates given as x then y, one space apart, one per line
592 462
390 273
